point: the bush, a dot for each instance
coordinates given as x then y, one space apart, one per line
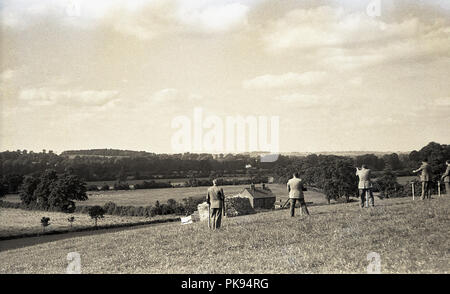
96 212
92 188
152 185
109 207
45 221
121 186
149 212
190 204
388 186
104 187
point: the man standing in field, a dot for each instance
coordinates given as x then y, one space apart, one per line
364 185
425 178
446 178
295 189
215 198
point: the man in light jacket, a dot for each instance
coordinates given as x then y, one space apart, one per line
365 185
425 179
295 189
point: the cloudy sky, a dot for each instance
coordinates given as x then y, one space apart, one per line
114 74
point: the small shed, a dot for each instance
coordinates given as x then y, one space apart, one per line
259 197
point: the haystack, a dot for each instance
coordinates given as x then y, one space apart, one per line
203 211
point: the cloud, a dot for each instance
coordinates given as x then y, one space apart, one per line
445 102
170 95
332 27
287 80
214 17
309 100
47 96
350 40
8 74
143 19
301 99
165 95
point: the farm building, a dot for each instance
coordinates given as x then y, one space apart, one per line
259 197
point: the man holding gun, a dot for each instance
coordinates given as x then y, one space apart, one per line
425 179
295 189
364 185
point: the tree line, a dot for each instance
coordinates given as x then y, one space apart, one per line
332 174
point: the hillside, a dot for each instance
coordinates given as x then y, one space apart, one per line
410 237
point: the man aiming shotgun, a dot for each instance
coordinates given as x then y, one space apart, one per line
295 189
216 205
365 186
425 179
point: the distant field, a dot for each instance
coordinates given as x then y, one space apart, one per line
173 181
144 197
408 236
17 221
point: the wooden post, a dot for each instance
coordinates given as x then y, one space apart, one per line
439 188
412 186
367 198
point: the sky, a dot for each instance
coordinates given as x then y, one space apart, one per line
339 75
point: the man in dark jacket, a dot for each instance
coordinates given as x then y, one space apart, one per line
215 198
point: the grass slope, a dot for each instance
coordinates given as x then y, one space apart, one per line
411 237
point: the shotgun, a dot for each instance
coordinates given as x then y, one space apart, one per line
223 205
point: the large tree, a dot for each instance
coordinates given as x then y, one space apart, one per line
65 190
53 191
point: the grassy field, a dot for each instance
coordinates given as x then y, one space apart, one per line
144 197
409 236
17 221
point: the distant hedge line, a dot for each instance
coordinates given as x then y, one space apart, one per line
188 206
189 183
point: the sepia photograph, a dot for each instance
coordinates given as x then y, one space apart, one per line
224 142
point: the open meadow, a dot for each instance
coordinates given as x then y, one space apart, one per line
409 237
144 197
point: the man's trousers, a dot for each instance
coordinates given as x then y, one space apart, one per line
426 190
302 205
215 218
363 193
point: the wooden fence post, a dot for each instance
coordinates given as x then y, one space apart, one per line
439 188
